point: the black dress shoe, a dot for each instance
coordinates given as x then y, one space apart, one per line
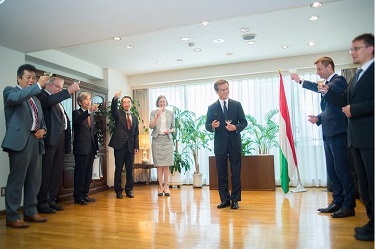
129 194
46 210
344 212
160 194
330 209
119 195
88 199
364 229
80 202
57 207
364 237
234 205
224 204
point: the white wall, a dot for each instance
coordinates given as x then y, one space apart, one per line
9 63
260 68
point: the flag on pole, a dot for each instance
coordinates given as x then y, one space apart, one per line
288 158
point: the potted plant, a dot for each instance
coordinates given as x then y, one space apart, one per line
195 137
263 137
182 160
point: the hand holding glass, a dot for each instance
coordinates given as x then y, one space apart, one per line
228 121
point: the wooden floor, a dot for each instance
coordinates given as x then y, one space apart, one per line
189 219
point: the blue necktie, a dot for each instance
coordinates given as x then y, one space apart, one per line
355 80
225 110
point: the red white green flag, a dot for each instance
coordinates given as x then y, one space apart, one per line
288 158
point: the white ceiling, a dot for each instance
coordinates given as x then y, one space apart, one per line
83 29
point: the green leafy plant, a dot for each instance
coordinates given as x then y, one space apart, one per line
195 137
182 160
263 137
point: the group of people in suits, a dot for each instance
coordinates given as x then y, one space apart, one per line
347 120
38 135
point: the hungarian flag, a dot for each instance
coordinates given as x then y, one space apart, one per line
288 158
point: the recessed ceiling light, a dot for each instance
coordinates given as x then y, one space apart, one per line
204 23
185 38
248 37
285 46
251 42
197 50
313 18
229 53
244 29
130 46
315 4
180 60
311 43
117 38
219 40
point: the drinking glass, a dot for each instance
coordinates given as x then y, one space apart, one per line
49 74
77 82
228 121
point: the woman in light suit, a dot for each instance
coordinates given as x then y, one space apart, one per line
162 125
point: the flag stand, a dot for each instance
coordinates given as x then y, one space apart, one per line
299 188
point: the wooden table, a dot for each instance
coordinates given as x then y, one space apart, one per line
146 166
257 173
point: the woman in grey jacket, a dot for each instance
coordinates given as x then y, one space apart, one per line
162 124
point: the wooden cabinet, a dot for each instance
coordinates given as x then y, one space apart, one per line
257 173
99 96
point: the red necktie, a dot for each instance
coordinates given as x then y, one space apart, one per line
35 112
128 122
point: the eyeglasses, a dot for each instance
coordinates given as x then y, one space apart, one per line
356 49
57 86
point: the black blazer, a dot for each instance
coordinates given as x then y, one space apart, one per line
222 137
53 118
332 119
361 101
122 134
84 136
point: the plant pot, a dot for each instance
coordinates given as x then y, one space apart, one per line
197 180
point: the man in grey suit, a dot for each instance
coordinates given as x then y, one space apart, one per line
25 129
125 143
227 119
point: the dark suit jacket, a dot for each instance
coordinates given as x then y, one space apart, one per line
361 101
84 136
122 134
19 117
54 119
222 136
332 119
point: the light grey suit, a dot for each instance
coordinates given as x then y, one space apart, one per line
169 120
24 150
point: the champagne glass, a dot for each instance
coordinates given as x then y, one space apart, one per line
77 82
320 83
49 74
228 121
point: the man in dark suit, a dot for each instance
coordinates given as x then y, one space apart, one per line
333 123
357 104
85 147
57 142
25 129
125 143
227 142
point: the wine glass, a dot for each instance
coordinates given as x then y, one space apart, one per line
320 83
77 82
49 74
228 121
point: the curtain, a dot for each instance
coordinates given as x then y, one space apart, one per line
141 98
258 96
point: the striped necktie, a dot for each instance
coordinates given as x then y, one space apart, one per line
35 112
